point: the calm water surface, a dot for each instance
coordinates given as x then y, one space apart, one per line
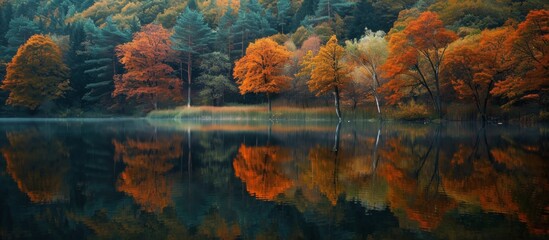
139 179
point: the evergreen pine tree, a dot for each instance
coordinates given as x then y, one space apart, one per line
307 9
224 33
76 62
283 13
20 30
191 37
214 79
327 9
6 13
250 25
101 61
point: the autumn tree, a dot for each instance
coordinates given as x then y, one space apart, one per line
476 63
357 91
328 71
299 91
191 37
261 69
36 73
415 58
368 55
529 46
146 60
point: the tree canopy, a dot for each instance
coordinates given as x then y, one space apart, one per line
36 73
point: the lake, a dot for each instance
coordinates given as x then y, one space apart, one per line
145 179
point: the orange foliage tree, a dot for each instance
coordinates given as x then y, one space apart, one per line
260 169
299 92
261 69
327 70
474 64
529 46
415 58
36 73
147 162
146 60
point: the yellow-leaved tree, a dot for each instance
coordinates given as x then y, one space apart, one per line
328 72
36 73
261 70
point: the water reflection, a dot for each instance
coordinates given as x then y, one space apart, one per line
261 168
38 164
148 160
138 179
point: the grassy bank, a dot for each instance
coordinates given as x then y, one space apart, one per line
259 112
252 113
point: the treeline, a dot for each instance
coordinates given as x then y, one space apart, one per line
415 58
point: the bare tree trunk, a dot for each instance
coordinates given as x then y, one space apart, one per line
189 75
336 96
375 157
377 105
336 138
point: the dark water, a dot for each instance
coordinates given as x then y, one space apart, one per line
137 179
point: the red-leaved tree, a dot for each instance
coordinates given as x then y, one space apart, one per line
149 78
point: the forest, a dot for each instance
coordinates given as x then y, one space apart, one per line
405 59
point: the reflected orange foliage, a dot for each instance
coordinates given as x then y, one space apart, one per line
147 162
500 191
325 171
260 169
413 191
37 165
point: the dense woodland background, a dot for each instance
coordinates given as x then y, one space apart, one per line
453 59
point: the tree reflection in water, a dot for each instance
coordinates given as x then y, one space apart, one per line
37 164
148 160
359 181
